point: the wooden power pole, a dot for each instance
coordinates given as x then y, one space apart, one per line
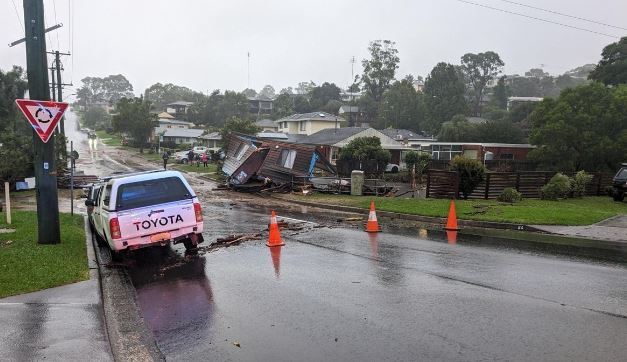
38 89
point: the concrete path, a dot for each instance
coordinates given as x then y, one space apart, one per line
57 324
612 229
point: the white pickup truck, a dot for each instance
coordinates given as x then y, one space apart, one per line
146 209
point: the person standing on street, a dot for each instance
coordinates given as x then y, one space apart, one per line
191 156
204 159
165 157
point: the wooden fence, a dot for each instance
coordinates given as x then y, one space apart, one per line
445 184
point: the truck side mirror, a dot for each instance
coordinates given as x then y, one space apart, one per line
90 202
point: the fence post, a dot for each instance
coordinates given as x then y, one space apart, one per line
428 182
457 181
487 186
518 181
599 184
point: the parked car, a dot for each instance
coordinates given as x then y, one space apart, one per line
200 149
181 157
146 209
619 184
392 167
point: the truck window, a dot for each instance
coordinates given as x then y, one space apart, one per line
106 196
151 192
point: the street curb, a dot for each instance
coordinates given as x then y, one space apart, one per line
474 226
129 337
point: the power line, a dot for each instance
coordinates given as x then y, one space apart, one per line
539 19
18 15
562 14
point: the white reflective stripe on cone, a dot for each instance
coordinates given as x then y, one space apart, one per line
372 216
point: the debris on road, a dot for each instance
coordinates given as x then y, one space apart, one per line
236 344
228 241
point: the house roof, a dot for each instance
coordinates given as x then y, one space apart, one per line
312 116
331 136
476 120
174 121
211 136
183 132
260 98
401 134
180 103
272 135
265 123
165 115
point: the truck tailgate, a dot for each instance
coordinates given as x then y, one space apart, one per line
157 219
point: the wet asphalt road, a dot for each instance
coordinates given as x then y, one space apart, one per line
337 293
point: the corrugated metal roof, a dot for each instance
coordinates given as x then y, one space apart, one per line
312 116
211 136
180 103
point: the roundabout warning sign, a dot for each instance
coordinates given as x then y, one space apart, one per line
42 115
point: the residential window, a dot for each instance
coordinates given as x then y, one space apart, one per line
287 158
284 124
241 150
334 154
303 125
507 156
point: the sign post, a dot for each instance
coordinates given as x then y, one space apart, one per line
44 116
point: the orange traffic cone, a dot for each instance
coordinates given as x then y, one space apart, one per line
451 237
373 225
274 239
451 221
275 254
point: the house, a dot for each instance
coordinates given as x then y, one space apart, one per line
419 85
182 136
178 108
163 124
347 96
164 115
260 105
308 123
354 115
331 141
478 151
514 101
267 125
211 140
402 135
250 159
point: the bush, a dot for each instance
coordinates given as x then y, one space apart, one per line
579 182
509 195
471 173
557 188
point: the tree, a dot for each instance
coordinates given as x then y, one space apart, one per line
305 87
502 131
134 117
267 91
250 93
217 108
401 107
458 129
585 128
109 89
365 148
332 107
283 106
96 118
536 73
287 90
16 135
239 125
612 68
480 69
159 95
301 104
525 87
380 69
444 96
417 162
321 95
470 174
501 93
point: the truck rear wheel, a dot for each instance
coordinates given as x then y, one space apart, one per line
190 246
118 256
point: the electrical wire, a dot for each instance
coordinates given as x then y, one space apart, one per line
18 16
539 19
562 14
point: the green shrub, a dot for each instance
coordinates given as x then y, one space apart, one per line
557 188
509 195
579 182
470 173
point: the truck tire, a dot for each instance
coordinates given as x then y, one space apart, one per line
117 256
99 240
190 247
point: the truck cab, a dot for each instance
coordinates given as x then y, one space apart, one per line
146 209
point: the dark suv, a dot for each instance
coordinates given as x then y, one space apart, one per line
619 184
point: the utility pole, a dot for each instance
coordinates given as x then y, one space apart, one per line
59 88
38 89
52 91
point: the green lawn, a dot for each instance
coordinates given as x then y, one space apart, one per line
109 139
26 266
582 211
193 168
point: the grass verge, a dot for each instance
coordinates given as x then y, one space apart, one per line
211 168
26 266
584 211
109 139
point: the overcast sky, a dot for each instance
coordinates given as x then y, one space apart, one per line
204 44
